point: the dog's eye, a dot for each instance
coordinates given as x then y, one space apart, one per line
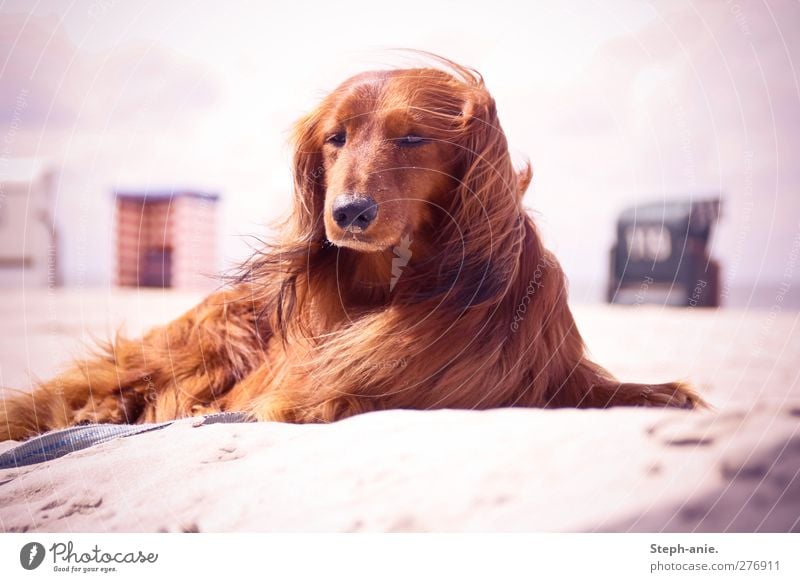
337 139
410 140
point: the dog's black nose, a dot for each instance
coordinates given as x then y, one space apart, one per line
354 211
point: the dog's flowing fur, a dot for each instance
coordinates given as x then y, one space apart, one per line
329 322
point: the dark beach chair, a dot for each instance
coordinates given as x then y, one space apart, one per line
661 255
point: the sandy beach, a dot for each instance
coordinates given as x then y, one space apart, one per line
735 468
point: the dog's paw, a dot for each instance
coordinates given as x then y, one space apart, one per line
107 410
204 409
673 395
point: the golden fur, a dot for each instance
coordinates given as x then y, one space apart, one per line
447 300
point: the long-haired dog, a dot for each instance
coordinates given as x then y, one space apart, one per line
409 275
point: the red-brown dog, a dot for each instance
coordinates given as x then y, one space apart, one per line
409 276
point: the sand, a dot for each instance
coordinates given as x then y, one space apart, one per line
734 469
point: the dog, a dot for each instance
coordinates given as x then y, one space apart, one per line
408 276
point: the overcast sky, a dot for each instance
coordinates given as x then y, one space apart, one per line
614 102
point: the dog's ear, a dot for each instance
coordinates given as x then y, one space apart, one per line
487 160
309 177
488 179
487 217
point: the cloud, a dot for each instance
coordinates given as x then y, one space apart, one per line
137 83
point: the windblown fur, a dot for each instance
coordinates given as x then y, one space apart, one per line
318 326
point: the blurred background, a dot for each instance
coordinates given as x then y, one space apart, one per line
144 143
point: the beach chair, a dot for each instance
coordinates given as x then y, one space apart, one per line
661 255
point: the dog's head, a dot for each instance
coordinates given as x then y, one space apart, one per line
389 154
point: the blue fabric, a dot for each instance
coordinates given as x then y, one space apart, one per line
61 442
